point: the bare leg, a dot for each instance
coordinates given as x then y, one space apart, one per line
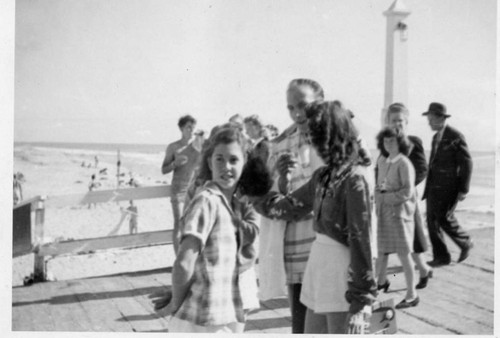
177 207
382 262
409 271
422 266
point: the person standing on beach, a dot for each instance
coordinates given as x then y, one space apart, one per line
291 156
181 158
450 170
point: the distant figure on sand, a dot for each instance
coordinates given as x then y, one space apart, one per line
18 189
134 214
131 211
92 186
96 160
181 158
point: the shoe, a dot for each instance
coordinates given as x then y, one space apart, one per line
465 252
384 286
405 304
423 280
439 262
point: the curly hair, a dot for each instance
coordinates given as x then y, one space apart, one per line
401 139
332 133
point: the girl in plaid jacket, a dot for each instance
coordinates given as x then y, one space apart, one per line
213 283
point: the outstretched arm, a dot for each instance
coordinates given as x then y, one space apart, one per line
290 207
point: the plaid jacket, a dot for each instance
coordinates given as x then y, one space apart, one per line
215 297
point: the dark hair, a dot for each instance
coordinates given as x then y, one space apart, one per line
255 178
185 120
224 135
316 87
403 142
255 120
332 133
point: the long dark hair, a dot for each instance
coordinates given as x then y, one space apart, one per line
332 133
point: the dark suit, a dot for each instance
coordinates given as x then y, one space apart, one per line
450 169
417 158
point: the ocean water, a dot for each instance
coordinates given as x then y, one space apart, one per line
100 147
143 161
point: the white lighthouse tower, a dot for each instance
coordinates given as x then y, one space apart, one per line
396 57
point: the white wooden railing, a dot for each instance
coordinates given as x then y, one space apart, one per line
90 245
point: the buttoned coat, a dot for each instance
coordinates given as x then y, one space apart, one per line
450 166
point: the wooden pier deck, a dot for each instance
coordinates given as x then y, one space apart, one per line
458 300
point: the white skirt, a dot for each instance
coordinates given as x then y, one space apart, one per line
325 280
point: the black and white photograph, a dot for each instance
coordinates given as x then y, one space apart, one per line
252 167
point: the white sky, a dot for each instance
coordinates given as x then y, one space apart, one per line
123 71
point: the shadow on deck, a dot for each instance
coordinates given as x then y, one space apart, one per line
458 300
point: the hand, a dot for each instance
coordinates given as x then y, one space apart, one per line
286 164
180 160
162 302
359 322
461 196
284 184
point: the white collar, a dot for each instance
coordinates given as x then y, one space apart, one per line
395 159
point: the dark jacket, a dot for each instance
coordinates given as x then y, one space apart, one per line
417 158
450 166
342 211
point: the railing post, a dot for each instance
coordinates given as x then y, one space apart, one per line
40 272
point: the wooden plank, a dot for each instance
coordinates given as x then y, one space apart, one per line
136 309
91 245
104 196
96 300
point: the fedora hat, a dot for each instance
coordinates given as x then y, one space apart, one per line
436 108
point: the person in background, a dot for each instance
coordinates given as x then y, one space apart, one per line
292 156
450 170
92 186
133 220
338 286
395 201
271 131
397 117
181 158
255 130
237 120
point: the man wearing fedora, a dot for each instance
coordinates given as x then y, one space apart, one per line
448 178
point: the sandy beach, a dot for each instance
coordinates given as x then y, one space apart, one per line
54 171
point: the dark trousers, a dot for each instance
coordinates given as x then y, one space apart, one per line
441 218
297 309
